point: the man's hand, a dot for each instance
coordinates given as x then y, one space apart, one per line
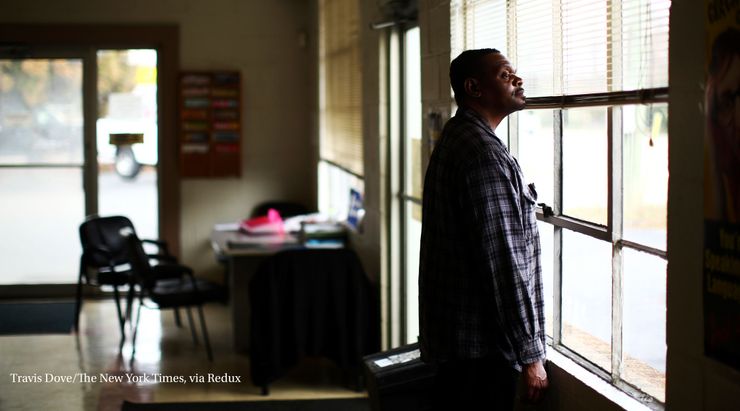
535 380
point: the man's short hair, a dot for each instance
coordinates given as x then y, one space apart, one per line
466 65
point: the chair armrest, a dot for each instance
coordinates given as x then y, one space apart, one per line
162 245
162 258
170 271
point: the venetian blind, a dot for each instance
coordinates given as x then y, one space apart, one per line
477 24
569 47
340 75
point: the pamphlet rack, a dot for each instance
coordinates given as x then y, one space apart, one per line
210 124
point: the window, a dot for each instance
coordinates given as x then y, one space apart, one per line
404 90
340 104
594 141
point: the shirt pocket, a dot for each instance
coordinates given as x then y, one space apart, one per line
530 193
528 204
529 228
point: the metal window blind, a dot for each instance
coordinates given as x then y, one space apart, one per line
477 24
340 91
570 47
535 48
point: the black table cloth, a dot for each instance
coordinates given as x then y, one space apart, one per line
314 302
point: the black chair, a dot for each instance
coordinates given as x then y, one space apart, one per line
169 286
311 302
104 260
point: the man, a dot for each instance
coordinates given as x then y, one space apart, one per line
480 286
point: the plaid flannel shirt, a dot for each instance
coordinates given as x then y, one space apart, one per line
480 279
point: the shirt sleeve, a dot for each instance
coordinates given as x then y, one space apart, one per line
505 251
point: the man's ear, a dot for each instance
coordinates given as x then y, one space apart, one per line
472 87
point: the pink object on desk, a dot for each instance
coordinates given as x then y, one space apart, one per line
272 223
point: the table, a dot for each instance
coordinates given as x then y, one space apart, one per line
243 253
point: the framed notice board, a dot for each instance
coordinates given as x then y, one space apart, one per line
210 124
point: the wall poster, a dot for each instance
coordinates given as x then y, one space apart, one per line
721 280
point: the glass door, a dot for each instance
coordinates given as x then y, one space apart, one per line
41 169
78 136
127 137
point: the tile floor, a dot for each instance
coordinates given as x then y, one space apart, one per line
163 351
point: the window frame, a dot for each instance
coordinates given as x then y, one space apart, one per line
401 196
611 233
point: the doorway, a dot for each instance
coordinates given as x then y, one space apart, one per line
60 160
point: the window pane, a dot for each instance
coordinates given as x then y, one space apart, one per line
585 164
127 103
41 124
340 84
587 286
584 46
477 24
546 241
534 59
645 43
412 77
644 322
413 236
41 111
645 174
334 190
42 208
536 151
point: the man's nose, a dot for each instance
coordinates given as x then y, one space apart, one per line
518 81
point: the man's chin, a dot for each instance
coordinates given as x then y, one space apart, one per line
521 103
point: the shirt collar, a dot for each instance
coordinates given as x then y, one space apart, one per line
474 116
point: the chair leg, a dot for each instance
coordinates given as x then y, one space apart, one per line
121 319
178 322
136 331
192 325
205 332
78 302
129 305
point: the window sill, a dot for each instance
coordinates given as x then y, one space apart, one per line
565 374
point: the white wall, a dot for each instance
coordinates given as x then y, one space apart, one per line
259 38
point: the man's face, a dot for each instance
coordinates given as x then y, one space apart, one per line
501 89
